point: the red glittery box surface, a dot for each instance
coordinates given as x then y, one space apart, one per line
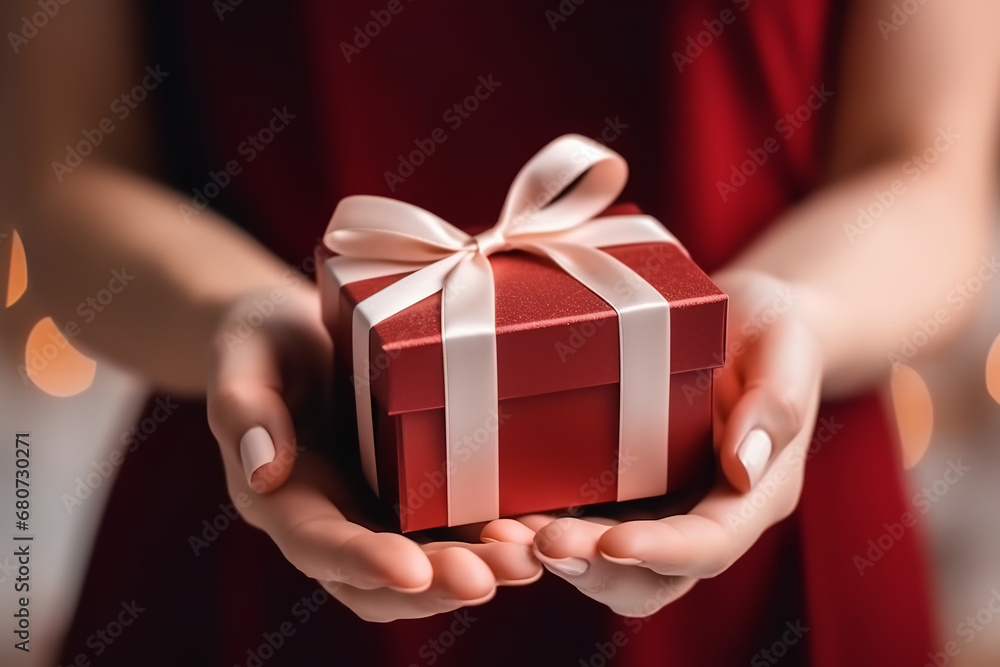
558 358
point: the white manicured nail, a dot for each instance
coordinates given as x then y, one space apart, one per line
621 561
571 567
754 453
256 449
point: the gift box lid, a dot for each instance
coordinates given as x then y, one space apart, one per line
553 334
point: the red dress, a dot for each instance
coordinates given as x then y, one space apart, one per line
713 103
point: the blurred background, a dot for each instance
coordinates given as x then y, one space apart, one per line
961 524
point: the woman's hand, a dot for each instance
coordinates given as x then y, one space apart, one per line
766 400
271 356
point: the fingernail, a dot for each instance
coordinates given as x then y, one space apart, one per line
521 582
417 589
621 561
571 567
256 449
469 603
754 453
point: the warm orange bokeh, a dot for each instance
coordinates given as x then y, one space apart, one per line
53 364
911 402
993 370
18 279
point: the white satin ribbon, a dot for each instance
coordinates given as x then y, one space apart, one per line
549 212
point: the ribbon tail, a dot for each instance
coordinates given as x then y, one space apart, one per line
472 415
644 358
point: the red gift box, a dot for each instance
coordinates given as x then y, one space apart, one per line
558 371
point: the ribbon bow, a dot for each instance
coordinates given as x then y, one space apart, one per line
548 212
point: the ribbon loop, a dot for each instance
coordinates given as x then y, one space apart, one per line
549 211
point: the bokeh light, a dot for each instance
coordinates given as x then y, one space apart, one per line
17 281
911 402
53 364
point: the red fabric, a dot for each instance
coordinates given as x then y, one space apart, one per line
605 66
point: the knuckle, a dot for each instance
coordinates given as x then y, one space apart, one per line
246 509
785 507
789 411
554 531
720 566
224 402
370 615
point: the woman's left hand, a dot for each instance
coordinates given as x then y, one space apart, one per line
765 404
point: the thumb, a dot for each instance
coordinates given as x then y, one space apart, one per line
249 417
782 373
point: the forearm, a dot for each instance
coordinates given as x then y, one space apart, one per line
116 266
865 283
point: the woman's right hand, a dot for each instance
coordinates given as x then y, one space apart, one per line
259 376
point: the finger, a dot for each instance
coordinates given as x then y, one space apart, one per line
512 564
460 575
535 522
568 546
461 579
316 538
781 384
716 532
249 417
569 549
385 605
726 391
508 530
685 545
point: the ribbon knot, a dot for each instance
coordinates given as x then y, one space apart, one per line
549 211
491 241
